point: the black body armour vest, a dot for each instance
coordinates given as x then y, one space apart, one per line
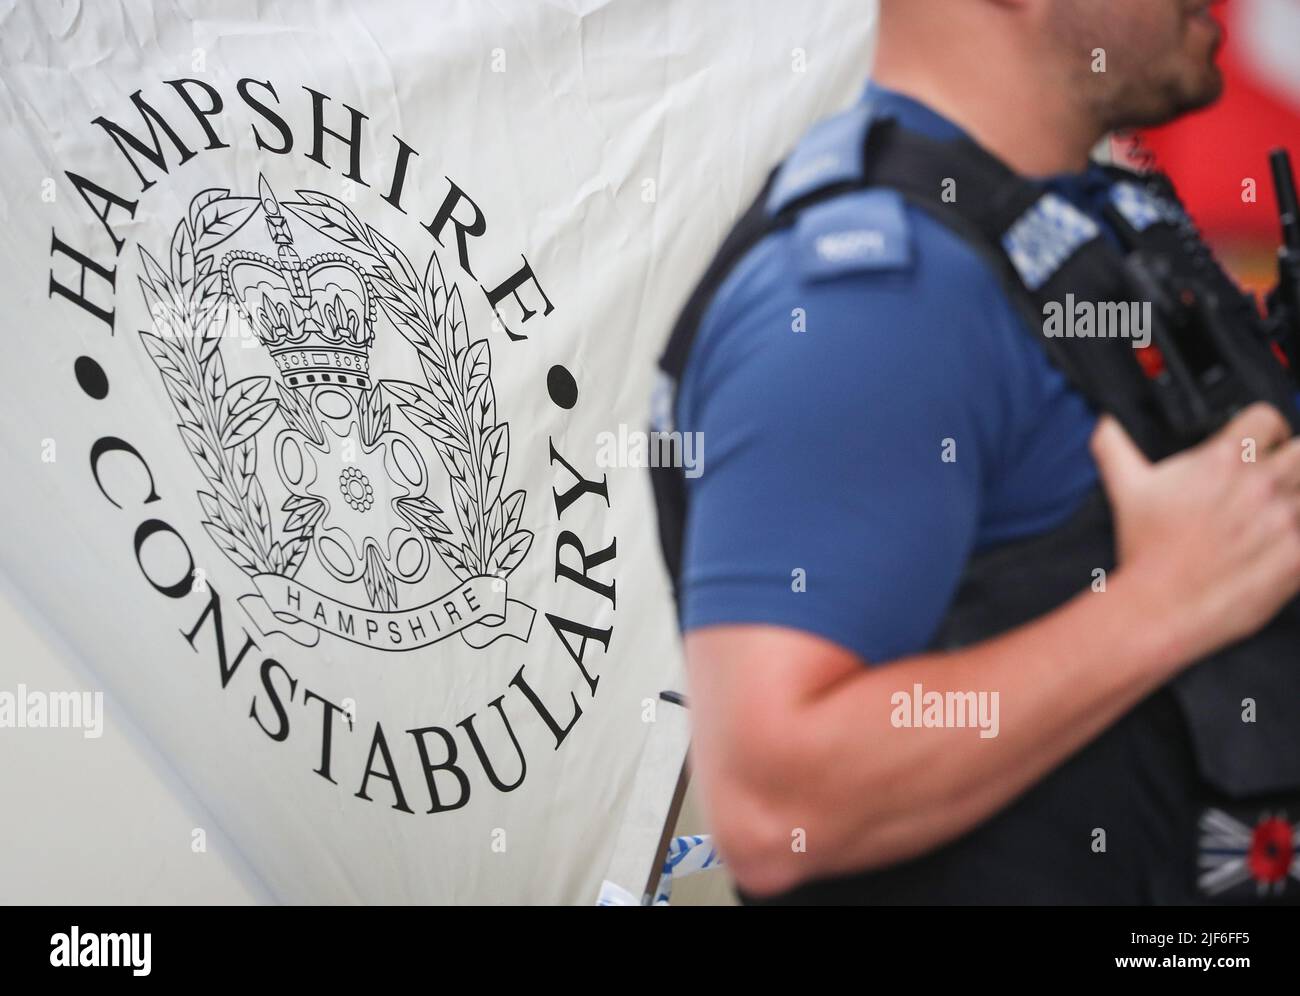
1181 800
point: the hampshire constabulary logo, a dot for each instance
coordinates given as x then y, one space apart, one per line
330 422
356 527
1241 860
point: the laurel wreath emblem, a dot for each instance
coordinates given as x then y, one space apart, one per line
219 422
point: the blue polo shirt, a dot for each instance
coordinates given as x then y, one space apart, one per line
865 433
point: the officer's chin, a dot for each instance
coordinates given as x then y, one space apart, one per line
1206 93
1177 100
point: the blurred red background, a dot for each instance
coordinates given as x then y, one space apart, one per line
1210 154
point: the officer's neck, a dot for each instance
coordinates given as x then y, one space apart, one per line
1033 133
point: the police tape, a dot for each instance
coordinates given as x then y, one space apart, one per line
686 856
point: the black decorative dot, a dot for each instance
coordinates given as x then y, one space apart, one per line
91 377
562 387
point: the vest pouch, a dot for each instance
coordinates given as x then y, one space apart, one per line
1242 708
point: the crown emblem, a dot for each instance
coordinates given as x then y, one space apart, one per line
315 318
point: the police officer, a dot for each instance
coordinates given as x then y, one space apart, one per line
977 611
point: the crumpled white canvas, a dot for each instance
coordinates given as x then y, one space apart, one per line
347 396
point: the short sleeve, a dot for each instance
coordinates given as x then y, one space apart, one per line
847 428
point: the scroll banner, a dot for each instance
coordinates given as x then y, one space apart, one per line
477 609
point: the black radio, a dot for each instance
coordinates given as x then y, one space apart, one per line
1209 354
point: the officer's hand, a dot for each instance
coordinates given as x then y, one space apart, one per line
1212 535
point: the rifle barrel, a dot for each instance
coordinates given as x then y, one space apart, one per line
1288 208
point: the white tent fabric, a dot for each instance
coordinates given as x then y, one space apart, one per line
316 314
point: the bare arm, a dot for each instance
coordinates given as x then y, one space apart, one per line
793 733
